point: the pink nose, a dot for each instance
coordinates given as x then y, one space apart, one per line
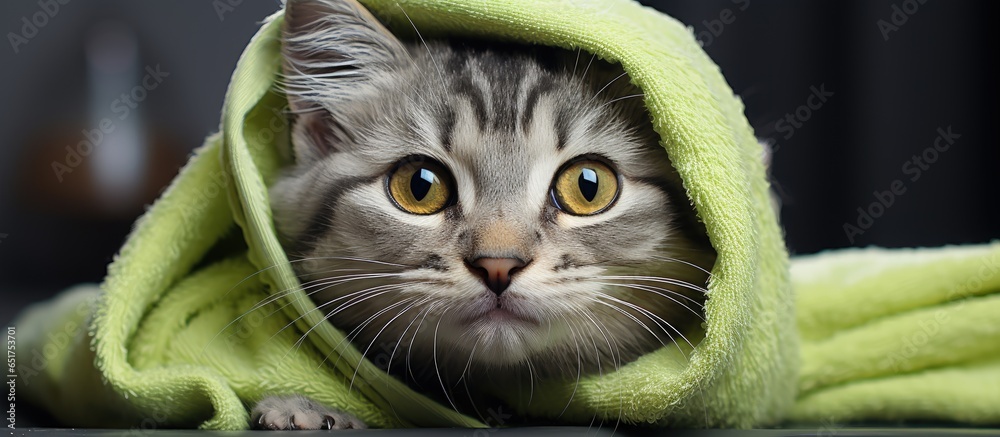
496 272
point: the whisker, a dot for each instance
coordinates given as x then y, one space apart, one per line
468 393
409 349
659 279
651 315
616 360
677 260
403 334
531 381
351 295
605 87
369 294
350 258
618 99
325 284
266 301
586 314
468 363
597 353
321 284
273 297
655 318
437 66
358 297
375 338
661 289
353 333
585 70
629 315
437 369
648 288
576 63
579 365
328 276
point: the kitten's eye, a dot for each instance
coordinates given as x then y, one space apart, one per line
420 186
585 187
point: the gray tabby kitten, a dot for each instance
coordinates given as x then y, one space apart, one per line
476 215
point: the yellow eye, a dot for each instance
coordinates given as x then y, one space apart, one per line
420 186
585 187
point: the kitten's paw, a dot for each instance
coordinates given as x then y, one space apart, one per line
299 412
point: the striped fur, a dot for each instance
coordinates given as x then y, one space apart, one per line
599 290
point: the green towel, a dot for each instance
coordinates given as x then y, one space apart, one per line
179 340
891 335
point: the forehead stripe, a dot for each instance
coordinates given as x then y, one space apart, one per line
544 85
465 87
446 128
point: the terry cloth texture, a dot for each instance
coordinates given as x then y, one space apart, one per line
171 347
892 335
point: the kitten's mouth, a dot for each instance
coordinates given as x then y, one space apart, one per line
503 315
498 311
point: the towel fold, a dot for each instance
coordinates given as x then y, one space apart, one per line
890 335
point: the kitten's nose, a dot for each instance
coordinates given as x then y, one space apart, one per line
496 272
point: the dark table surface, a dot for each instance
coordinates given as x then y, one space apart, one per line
529 431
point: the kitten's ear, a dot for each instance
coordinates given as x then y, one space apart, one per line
331 50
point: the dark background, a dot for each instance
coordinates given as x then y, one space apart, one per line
889 98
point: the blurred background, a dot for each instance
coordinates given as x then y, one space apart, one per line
103 100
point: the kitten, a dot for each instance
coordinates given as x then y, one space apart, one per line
462 209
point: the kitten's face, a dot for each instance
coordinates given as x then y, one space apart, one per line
475 205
